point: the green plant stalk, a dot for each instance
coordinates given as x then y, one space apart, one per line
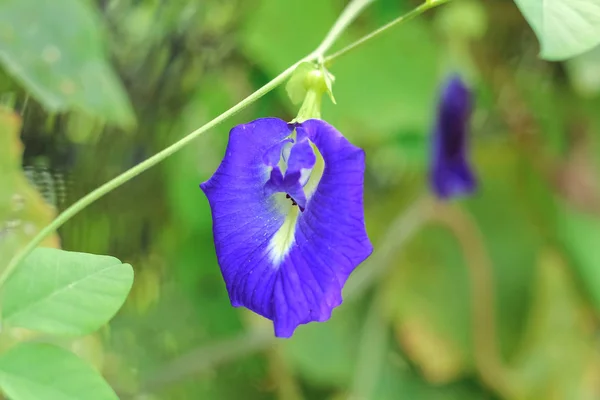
346 17
488 361
403 18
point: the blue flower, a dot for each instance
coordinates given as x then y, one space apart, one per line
288 219
450 174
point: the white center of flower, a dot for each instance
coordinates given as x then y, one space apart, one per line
282 242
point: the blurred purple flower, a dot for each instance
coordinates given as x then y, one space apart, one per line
450 174
288 219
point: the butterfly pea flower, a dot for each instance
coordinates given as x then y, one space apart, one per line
450 173
288 219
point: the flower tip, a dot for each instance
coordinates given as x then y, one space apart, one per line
283 332
285 329
456 79
204 186
369 247
452 181
457 92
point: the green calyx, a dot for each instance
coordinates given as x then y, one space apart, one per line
308 83
311 107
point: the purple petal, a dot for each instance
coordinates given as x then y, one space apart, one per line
450 173
453 179
275 182
302 156
290 185
272 156
297 279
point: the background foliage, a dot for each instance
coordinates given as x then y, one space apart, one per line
495 296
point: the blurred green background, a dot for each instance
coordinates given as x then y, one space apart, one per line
492 297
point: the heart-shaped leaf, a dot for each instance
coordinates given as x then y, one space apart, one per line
54 48
35 371
65 293
565 28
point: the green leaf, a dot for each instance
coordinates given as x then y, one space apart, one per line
62 64
23 211
565 28
39 371
65 293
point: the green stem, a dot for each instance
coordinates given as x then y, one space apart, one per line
488 361
403 18
345 18
373 348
